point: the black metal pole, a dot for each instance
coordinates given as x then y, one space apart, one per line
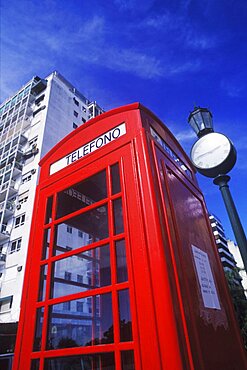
222 182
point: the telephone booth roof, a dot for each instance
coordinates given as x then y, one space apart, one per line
135 116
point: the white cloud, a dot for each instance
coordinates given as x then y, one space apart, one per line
184 136
199 41
234 87
182 30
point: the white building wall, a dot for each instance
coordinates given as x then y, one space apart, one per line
237 256
54 120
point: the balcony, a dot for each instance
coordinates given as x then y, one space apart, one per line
19 153
17 169
2 259
8 209
4 233
29 109
228 262
23 138
26 123
12 189
3 191
40 86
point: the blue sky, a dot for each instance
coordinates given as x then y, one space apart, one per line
169 55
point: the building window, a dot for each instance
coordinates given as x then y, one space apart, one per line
11 111
75 125
75 114
79 306
23 198
76 102
33 141
83 120
14 118
24 101
19 220
66 306
67 275
79 279
6 303
21 112
26 177
39 99
69 229
80 234
17 106
15 246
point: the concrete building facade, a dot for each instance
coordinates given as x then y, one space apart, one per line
227 259
237 256
32 121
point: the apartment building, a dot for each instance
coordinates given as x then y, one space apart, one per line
234 249
32 121
227 259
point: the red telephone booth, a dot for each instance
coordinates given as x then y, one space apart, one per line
122 271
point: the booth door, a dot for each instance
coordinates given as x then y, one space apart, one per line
81 312
198 274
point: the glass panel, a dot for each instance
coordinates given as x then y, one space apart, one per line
42 283
81 322
38 329
46 244
122 274
48 210
35 364
118 216
98 361
115 178
82 194
124 316
87 270
127 359
82 230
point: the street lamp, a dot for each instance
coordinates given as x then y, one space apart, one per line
201 121
214 155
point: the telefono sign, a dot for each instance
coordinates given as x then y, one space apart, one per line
88 148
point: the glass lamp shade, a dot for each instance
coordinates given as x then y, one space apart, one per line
201 121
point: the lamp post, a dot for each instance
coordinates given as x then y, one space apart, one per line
214 155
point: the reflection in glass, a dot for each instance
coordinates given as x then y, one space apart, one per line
125 322
118 216
97 361
38 329
48 218
87 270
82 194
46 243
84 322
42 283
115 178
35 364
81 230
127 359
122 274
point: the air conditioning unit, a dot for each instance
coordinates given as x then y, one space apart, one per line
18 206
33 171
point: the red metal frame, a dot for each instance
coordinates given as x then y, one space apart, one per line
168 332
